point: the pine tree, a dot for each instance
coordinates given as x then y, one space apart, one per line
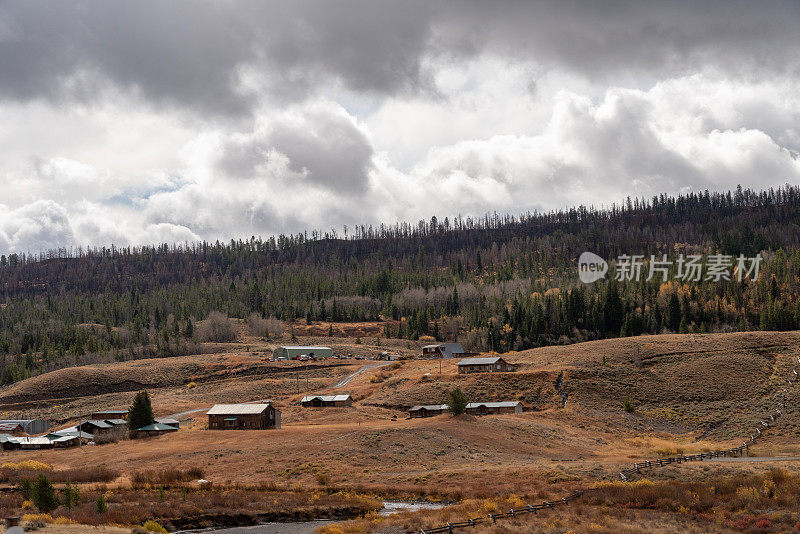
100 504
43 495
457 401
141 411
71 496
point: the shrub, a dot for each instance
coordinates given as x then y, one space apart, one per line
27 465
114 435
217 328
628 404
152 526
167 476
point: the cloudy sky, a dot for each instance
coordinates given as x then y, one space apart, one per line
145 122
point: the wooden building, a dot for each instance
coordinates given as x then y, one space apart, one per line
168 421
243 416
110 414
326 401
427 410
445 350
12 428
486 408
484 365
156 429
29 426
95 426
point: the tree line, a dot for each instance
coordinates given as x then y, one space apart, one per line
495 283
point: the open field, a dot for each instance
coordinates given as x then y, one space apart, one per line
690 393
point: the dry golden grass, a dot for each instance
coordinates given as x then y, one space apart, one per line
691 393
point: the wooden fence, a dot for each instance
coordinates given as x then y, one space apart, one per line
637 468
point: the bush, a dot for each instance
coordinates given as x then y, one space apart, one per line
628 404
118 433
264 328
152 526
167 476
218 328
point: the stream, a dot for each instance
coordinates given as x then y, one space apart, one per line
308 527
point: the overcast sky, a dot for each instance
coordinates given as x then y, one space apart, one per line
149 121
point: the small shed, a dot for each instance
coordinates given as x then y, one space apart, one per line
259 416
156 429
8 442
427 410
291 351
168 421
326 401
30 426
484 365
12 429
485 408
110 414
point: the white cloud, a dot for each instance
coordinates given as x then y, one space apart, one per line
123 173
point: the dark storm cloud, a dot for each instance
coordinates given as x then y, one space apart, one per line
189 53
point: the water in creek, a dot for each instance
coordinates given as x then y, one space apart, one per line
308 527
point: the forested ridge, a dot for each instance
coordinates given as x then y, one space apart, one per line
494 283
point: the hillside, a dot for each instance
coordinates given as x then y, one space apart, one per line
691 393
492 284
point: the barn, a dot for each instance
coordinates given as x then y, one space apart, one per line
295 351
258 416
326 401
486 408
427 410
484 365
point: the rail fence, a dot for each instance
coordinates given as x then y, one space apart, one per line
637 468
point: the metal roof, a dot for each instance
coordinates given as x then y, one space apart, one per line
158 426
30 440
63 439
325 398
116 422
10 426
74 433
167 421
303 347
479 361
504 404
429 407
237 409
111 411
99 423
